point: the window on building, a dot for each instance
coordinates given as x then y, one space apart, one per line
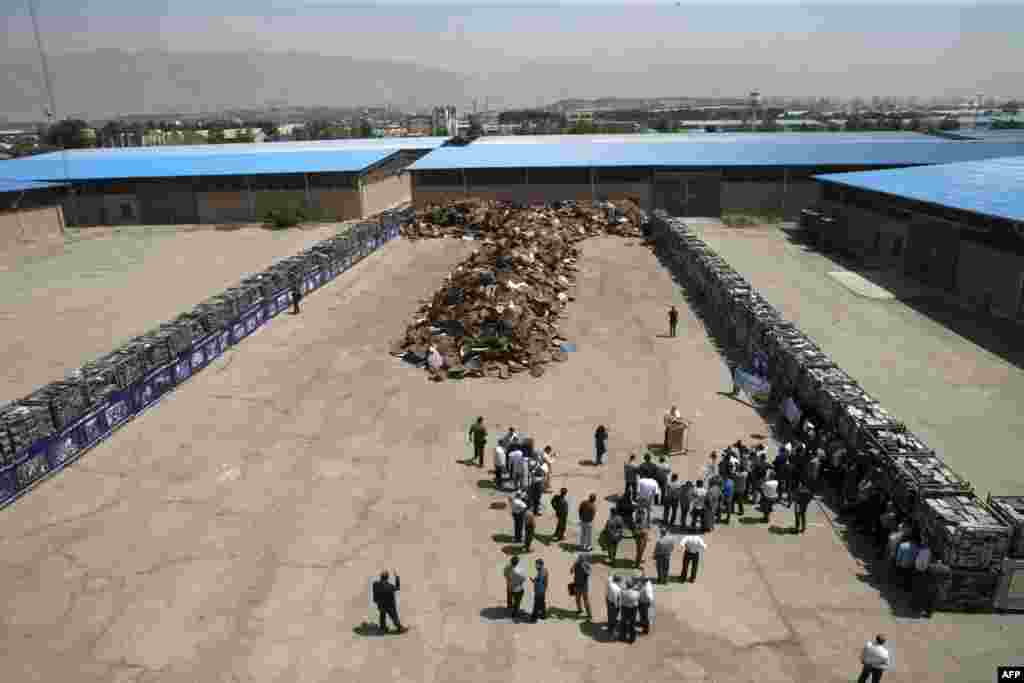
126 211
878 241
897 246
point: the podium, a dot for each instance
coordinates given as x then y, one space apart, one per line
678 432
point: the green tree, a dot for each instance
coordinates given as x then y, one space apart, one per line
215 136
68 134
365 129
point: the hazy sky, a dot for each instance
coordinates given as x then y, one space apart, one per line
959 40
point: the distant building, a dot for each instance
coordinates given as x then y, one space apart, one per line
444 118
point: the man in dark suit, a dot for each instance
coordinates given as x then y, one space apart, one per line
385 599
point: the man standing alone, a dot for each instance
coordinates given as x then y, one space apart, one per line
387 605
693 549
876 660
296 294
478 436
540 591
802 500
673 321
561 506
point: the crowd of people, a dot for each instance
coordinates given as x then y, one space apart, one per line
740 475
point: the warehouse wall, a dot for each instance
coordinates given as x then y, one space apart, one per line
384 193
268 200
422 196
102 209
166 203
799 195
687 194
982 269
19 226
639 192
759 196
932 252
228 206
343 203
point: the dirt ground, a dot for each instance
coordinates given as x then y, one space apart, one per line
230 535
68 302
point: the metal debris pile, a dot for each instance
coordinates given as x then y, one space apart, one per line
499 311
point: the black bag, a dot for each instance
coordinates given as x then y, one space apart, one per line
572 590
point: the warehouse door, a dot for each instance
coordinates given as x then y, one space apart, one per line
688 194
933 253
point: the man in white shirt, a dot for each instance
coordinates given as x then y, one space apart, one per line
693 550
517 464
876 660
613 598
518 508
515 584
711 468
500 466
700 496
647 490
630 601
769 494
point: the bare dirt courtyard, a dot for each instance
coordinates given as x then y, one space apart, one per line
230 534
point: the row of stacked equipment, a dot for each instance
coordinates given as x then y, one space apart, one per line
39 433
977 538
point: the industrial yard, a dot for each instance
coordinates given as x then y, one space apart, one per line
230 535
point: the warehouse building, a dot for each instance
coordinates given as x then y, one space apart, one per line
958 227
687 175
29 211
337 179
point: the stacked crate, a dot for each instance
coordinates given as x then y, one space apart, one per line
964 533
1010 509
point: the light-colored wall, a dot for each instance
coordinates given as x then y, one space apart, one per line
385 193
22 226
981 269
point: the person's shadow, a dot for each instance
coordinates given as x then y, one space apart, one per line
597 632
368 630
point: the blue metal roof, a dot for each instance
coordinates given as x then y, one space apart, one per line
700 136
265 148
711 154
111 164
13 185
991 188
